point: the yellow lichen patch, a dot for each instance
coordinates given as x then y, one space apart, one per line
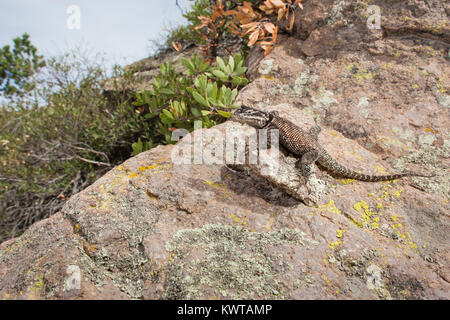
347 181
395 217
381 170
151 196
270 223
267 77
440 84
36 287
324 277
215 184
335 244
367 216
357 156
141 169
330 284
172 256
104 206
339 233
397 227
221 187
237 219
412 245
360 205
397 193
330 206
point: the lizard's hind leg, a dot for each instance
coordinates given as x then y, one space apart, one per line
314 132
306 161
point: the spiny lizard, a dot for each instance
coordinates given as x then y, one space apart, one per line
305 145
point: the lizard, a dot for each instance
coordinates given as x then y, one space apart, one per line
304 145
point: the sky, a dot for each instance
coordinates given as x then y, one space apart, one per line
121 30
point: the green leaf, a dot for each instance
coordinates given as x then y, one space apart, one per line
188 64
168 114
234 94
200 99
239 81
166 91
224 113
137 147
221 64
231 63
219 74
195 112
212 91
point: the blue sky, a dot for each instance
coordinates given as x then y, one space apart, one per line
119 29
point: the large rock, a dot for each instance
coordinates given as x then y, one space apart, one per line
156 229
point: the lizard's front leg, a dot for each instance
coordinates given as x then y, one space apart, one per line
314 132
306 161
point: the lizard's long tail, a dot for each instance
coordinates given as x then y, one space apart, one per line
329 163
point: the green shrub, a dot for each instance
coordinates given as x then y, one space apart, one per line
63 133
57 144
203 92
17 66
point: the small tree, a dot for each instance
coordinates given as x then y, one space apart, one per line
18 66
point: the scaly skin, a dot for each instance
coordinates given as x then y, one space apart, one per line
304 145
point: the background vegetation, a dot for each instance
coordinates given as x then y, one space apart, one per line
59 132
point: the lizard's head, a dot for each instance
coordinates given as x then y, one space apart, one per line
253 117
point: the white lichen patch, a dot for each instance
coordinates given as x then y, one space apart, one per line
444 100
374 280
426 139
336 12
234 261
429 157
300 85
266 67
323 99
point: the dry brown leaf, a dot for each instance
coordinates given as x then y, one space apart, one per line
265 43
274 35
230 13
253 38
269 27
278 3
282 12
249 25
176 46
267 49
291 22
298 2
